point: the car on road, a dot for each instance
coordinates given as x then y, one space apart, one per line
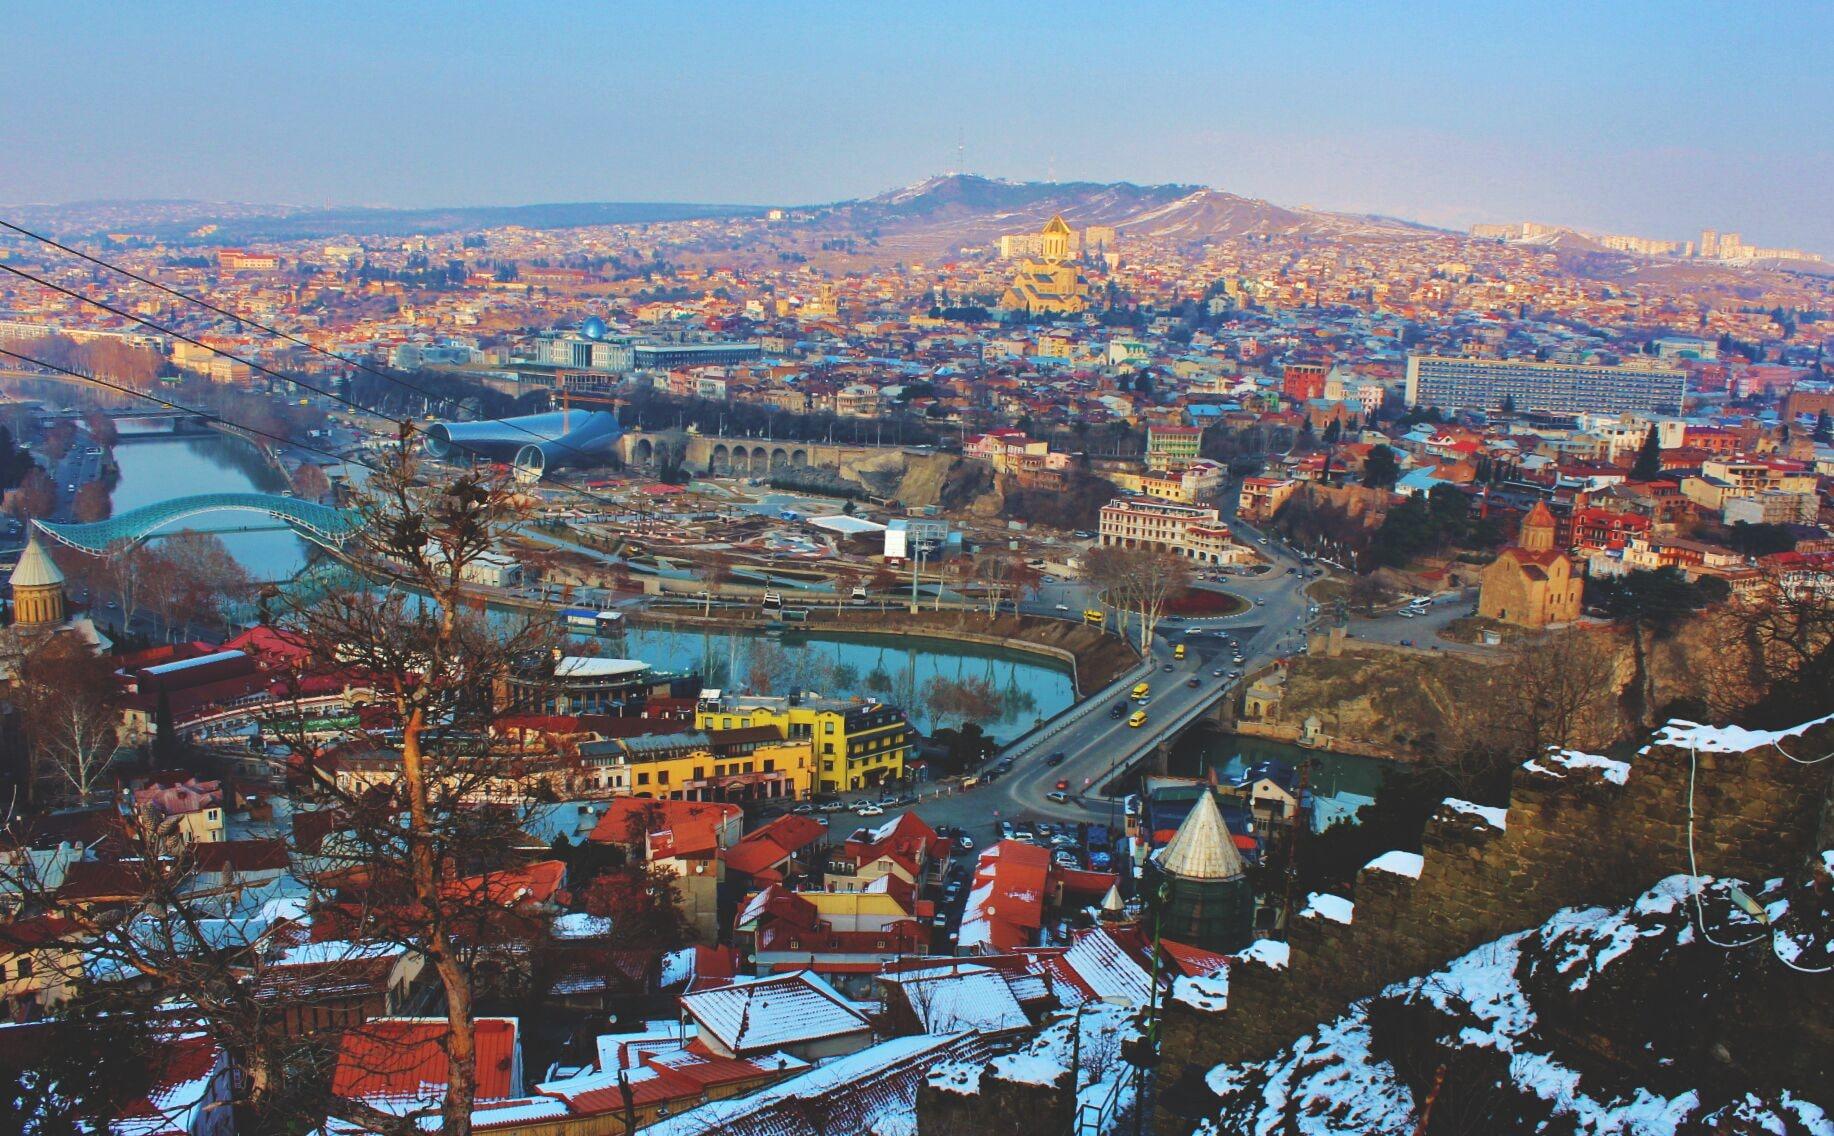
1063 607
1056 758
869 810
1217 673
1260 603
965 842
1063 782
1057 795
1138 719
1118 710
941 920
1193 682
1168 666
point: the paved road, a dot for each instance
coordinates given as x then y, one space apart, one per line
1095 743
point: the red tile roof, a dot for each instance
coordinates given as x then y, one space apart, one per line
405 1059
675 828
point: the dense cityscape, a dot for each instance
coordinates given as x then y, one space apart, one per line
990 655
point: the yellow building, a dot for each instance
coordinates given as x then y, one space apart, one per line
1532 584
1050 284
856 744
705 765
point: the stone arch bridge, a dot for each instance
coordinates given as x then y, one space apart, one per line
744 457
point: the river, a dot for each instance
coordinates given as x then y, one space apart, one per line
1341 782
159 470
1025 687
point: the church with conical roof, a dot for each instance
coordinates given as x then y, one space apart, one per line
1532 583
1200 884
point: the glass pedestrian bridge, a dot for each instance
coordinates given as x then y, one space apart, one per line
321 524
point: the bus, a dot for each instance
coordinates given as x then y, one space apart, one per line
1178 651
1142 691
1094 618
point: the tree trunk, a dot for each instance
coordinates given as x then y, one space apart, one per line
461 1041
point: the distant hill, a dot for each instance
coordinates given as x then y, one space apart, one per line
178 222
962 210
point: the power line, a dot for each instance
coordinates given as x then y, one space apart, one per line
230 313
170 405
406 425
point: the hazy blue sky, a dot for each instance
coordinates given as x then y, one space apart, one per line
1656 119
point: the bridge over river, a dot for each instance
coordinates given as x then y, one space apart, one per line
321 524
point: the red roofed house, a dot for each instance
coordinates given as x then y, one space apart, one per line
904 847
689 838
398 1064
1005 907
767 855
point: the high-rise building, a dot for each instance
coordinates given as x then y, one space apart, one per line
1525 385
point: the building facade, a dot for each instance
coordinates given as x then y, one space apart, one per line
1525 385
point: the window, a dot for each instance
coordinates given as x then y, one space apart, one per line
770 766
827 747
700 773
643 779
828 726
25 967
662 777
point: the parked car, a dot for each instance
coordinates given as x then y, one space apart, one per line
869 810
1006 830
965 842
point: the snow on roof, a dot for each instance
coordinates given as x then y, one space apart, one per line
873 1085
845 525
580 925
677 967
1399 863
200 660
1726 739
767 1013
583 666
1107 969
1333 907
1496 818
336 950
972 998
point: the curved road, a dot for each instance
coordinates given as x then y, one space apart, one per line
1095 743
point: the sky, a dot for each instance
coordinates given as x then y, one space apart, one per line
1653 119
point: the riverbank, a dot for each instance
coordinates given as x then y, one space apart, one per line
1095 658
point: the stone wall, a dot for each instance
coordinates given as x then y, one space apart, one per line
994 1106
1573 836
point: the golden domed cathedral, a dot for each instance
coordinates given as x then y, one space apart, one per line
1051 284
1531 583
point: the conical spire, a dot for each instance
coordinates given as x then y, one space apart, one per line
36 569
1111 903
1202 848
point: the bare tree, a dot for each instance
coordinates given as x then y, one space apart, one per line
71 704
429 844
1558 690
91 502
1138 581
310 482
34 496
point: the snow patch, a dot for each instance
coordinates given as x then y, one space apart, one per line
1268 952
1333 907
1494 817
1209 994
1725 739
1399 863
1026 1069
